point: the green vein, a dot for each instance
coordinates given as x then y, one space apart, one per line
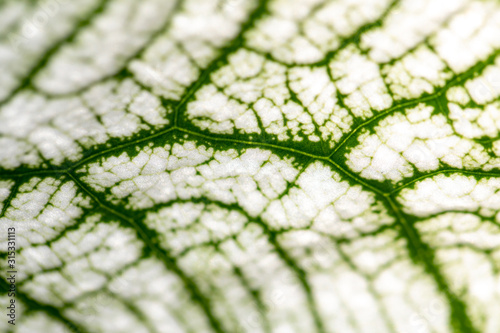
424 254
51 311
44 60
170 263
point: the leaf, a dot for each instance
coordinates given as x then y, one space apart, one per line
243 166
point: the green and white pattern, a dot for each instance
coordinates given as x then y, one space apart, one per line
251 166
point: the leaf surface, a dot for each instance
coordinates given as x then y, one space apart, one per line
244 166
